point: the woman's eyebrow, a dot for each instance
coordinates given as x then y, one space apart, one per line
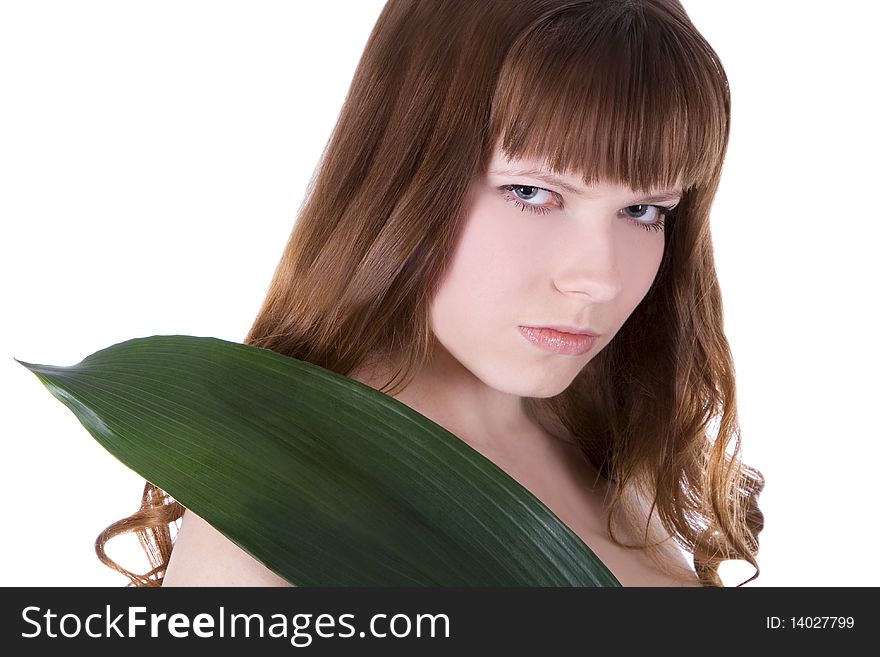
577 191
541 175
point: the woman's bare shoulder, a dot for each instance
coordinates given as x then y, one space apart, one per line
202 556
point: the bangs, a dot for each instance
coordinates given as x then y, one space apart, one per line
622 92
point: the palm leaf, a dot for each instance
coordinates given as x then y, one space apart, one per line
325 480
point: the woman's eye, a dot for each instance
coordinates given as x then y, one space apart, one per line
530 198
649 217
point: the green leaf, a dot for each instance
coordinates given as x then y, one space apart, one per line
325 480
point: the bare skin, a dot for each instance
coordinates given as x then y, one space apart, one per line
202 556
553 469
559 476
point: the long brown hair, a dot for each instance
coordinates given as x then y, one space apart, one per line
622 91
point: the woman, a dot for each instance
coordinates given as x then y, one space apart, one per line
499 170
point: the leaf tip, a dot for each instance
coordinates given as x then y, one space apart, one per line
29 366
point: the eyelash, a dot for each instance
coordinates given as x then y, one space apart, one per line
660 224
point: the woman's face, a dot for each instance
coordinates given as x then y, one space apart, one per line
582 259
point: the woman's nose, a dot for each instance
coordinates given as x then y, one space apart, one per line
591 265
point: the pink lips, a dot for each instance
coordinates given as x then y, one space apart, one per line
570 344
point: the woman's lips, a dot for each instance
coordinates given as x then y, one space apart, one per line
558 342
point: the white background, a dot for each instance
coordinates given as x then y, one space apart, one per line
153 157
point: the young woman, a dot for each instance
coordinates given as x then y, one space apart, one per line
509 232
